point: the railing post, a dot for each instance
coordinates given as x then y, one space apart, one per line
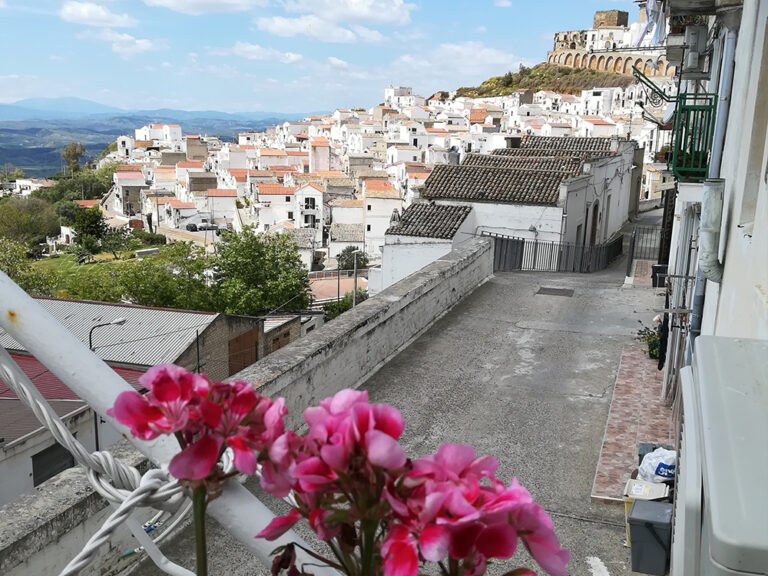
631 253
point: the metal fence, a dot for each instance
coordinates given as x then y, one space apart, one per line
512 253
645 243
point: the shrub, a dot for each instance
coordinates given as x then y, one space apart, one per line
652 337
148 238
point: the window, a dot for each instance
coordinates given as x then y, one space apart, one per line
369 207
287 198
309 203
49 462
290 215
368 228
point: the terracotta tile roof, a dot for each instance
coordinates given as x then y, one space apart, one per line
582 154
222 193
190 164
597 121
296 153
477 115
559 125
346 232
430 221
551 163
129 175
381 189
312 185
437 131
419 175
346 203
271 152
497 185
239 174
87 203
260 173
275 190
178 204
128 168
321 142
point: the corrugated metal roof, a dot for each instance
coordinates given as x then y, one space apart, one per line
149 336
18 420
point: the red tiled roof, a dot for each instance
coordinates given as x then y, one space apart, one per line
190 164
239 174
296 153
319 142
477 115
271 152
49 385
222 193
275 190
129 175
87 203
178 204
313 185
126 168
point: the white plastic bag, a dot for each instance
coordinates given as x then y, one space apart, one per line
658 466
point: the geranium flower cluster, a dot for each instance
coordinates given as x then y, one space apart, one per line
205 416
380 513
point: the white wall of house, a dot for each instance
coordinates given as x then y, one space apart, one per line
376 221
347 215
335 247
404 255
308 210
514 219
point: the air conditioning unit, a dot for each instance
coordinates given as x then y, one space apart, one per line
721 506
695 48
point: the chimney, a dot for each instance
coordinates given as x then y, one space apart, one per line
642 15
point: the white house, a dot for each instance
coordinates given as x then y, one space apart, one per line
275 203
380 201
342 236
308 209
594 126
221 203
402 153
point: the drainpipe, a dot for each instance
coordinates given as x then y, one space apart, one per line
712 205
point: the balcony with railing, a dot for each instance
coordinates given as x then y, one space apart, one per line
693 129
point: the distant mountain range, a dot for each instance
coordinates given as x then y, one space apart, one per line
34 131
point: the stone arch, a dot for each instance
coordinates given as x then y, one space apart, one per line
549 58
671 70
601 63
648 68
662 66
584 61
609 64
593 62
577 61
569 60
628 66
617 65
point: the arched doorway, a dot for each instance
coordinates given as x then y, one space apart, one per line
569 60
617 66
671 71
577 61
593 62
662 66
601 63
628 66
609 64
648 68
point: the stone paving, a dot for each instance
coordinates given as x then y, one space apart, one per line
637 414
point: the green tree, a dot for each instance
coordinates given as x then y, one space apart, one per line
173 278
257 272
100 281
83 185
346 259
27 220
72 154
109 149
66 211
115 240
14 262
8 172
332 309
89 222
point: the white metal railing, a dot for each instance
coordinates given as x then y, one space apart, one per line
237 509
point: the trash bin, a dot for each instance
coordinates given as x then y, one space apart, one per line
650 530
658 274
640 490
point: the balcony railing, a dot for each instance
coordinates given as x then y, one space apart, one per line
694 129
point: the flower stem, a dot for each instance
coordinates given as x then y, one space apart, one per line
199 498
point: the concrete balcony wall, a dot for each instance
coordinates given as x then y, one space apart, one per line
349 349
44 529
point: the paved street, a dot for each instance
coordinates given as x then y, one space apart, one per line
528 378
524 377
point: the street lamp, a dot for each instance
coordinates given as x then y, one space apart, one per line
96 418
354 290
116 322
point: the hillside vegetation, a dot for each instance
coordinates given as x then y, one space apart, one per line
546 77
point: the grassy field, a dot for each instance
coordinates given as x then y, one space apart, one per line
65 267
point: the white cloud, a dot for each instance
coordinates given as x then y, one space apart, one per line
90 14
256 52
317 28
124 45
362 11
481 29
197 7
502 3
3 4
337 62
449 66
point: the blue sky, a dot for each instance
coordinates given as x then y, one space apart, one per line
272 55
